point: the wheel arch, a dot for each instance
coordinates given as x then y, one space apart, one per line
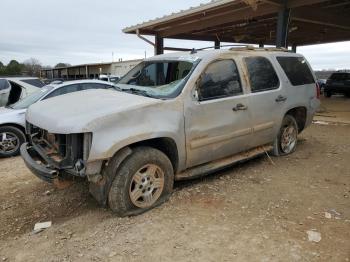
300 115
18 126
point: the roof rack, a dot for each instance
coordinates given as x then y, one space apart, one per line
242 47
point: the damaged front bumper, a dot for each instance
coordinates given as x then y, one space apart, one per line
36 165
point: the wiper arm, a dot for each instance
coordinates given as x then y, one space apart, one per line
137 91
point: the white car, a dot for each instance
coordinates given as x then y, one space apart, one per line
12 117
13 89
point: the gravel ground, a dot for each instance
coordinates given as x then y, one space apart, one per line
256 211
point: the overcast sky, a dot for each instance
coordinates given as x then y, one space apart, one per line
88 31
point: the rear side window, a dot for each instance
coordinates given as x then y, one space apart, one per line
87 86
220 79
340 76
34 82
297 70
262 75
4 84
64 90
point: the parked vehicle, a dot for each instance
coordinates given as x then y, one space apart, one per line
338 83
12 117
175 116
14 89
109 78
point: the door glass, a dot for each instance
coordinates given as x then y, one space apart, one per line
63 90
88 86
220 79
262 75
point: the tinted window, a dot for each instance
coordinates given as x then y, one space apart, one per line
340 76
4 84
34 82
220 79
262 75
63 90
297 70
94 86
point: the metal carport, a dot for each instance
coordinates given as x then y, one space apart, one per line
265 22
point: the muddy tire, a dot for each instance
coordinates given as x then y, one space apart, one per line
11 139
143 181
286 140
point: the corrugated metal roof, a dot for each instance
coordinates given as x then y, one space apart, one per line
181 13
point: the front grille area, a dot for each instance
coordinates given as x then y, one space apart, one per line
58 150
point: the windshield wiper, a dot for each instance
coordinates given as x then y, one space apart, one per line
136 91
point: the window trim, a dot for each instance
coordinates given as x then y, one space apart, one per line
249 80
221 97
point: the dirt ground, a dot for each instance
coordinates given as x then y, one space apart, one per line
256 211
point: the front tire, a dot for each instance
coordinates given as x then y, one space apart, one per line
286 140
11 139
144 180
328 94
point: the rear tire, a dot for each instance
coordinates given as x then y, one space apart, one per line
143 181
286 140
11 139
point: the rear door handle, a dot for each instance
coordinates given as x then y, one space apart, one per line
281 99
240 107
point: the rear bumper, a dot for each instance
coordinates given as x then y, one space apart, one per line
36 165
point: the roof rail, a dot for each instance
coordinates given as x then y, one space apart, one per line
242 47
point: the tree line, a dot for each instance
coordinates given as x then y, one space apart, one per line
30 67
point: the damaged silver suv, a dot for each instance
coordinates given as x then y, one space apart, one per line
173 117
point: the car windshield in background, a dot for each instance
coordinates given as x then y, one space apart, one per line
162 79
340 76
34 82
31 99
4 84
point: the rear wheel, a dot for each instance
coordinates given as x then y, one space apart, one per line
286 140
11 139
143 181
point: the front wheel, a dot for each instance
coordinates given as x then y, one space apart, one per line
286 140
328 94
143 181
11 139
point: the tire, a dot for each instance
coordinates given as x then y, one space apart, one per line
279 147
132 191
347 95
328 94
11 139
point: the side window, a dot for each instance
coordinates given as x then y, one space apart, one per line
4 84
220 79
297 70
63 90
262 75
87 86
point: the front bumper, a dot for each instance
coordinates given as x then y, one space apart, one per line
31 159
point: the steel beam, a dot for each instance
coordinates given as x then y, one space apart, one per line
282 26
159 45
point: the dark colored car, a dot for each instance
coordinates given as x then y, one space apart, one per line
338 83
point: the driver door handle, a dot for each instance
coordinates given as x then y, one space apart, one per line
240 107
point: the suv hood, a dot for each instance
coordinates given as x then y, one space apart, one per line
85 111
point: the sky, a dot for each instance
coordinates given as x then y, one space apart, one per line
90 31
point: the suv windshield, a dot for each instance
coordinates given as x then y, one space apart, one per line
31 99
162 79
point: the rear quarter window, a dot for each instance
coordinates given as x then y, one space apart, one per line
4 84
297 70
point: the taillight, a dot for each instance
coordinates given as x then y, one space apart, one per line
318 91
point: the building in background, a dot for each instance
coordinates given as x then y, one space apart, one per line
89 71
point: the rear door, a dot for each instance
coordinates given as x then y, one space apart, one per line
218 122
267 99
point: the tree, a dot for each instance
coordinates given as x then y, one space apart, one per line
1 65
32 67
13 68
62 65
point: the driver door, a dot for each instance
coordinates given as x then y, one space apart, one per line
218 124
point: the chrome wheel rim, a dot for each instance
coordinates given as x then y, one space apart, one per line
288 138
146 186
9 143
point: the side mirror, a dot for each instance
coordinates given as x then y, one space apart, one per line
196 94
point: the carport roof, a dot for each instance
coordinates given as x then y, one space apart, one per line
254 21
